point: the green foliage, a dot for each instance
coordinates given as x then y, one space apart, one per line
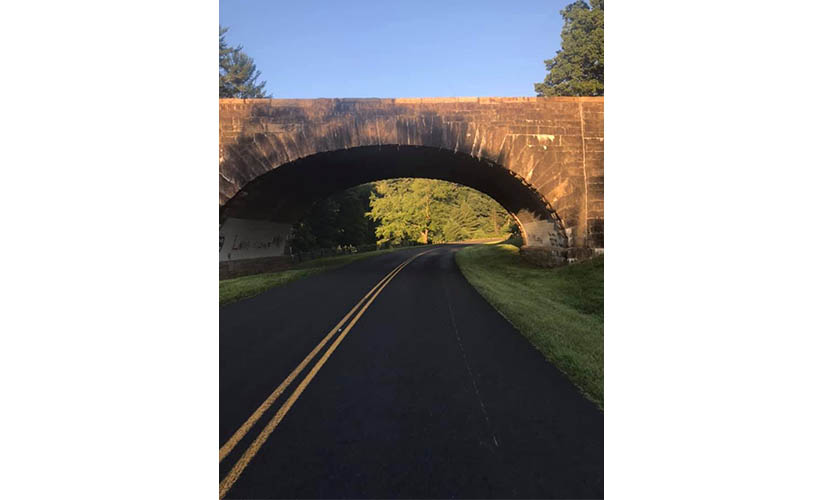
426 210
337 221
237 72
578 68
400 212
407 210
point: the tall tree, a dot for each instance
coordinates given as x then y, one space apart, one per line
237 72
426 210
578 68
407 210
337 221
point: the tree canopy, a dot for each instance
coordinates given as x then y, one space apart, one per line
237 72
397 212
426 210
337 221
578 68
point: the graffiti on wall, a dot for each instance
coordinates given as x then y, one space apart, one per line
250 239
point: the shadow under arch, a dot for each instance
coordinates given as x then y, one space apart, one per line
256 221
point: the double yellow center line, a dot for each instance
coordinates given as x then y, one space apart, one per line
257 443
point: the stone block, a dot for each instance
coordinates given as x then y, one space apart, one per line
236 268
544 256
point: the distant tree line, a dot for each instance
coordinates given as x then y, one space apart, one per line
398 212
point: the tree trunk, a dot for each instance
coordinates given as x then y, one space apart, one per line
427 216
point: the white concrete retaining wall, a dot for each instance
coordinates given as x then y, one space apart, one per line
251 239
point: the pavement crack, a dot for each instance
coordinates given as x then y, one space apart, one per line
467 363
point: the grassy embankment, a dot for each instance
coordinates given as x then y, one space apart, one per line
234 289
560 311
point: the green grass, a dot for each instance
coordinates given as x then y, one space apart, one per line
234 289
560 311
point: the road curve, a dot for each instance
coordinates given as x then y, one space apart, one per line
423 391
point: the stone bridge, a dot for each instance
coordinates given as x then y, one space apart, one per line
541 158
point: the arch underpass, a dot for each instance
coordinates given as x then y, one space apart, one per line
540 158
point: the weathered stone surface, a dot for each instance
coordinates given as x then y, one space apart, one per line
235 268
543 256
541 158
575 254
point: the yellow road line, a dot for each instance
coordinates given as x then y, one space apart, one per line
240 433
246 457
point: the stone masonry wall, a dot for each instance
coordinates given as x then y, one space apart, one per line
554 145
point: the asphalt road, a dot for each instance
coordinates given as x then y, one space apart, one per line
429 394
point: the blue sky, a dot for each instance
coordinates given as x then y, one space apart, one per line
308 48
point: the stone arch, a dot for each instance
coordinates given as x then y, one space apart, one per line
542 159
283 195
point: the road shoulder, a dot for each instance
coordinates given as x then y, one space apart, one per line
560 311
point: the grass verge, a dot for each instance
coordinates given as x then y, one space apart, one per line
560 311
234 289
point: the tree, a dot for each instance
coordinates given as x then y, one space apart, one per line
578 68
237 72
400 211
407 210
337 221
426 210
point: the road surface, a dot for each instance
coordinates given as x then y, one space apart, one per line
422 391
